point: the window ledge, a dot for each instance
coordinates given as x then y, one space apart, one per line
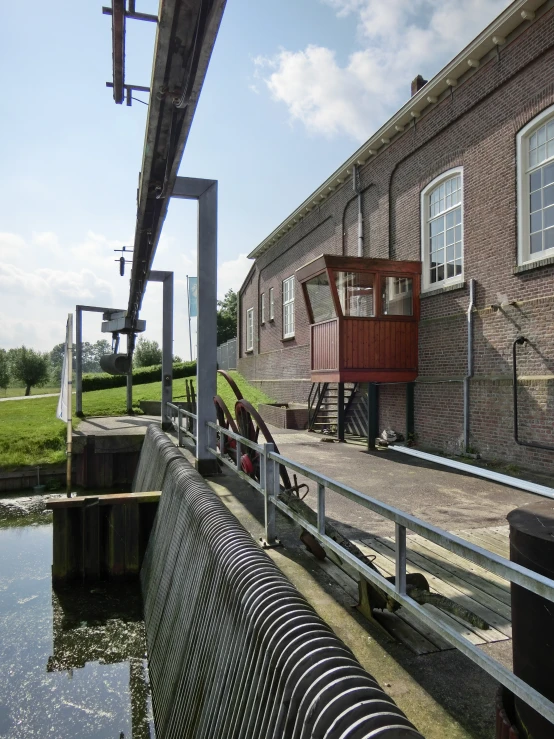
444 289
288 338
537 264
249 351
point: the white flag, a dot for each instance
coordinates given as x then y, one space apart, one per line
63 411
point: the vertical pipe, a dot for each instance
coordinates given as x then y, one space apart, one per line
469 374
400 545
188 311
206 358
167 349
372 415
79 361
270 477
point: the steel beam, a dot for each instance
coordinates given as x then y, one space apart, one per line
205 192
167 343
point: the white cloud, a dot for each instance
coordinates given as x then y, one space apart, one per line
231 274
399 39
54 285
11 245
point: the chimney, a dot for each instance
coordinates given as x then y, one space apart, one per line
417 84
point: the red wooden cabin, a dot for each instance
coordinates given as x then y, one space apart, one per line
364 316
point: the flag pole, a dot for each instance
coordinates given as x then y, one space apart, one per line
69 399
188 311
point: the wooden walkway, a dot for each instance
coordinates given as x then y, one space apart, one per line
448 574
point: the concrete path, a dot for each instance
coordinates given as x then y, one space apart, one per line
30 397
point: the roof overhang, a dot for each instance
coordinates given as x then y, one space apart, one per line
493 37
185 38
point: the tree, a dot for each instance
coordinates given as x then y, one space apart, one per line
29 367
227 317
147 353
4 369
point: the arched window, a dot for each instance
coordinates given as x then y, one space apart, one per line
535 160
442 240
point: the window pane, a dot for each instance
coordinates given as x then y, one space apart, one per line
541 135
548 174
440 273
536 221
533 142
535 200
541 153
449 253
458 250
450 217
535 180
550 130
356 293
549 217
449 270
549 239
319 295
458 230
437 226
458 269
532 158
433 274
536 242
450 236
397 296
550 149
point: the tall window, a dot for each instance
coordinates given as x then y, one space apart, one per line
262 308
271 305
442 230
536 188
249 329
288 307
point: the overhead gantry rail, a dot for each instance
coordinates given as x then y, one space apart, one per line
186 33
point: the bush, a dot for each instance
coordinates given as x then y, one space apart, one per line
142 376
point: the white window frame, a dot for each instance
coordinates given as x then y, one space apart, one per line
250 329
271 304
426 284
524 255
262 308
288 307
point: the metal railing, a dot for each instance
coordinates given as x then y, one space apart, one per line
189 429
269 487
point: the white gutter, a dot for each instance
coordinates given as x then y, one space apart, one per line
514 482
494 36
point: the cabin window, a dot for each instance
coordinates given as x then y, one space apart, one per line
262 308
397 298
536 188
442 230
288 308
250 329
355 291
271 305
320 297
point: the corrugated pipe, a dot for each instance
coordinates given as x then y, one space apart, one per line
234 650
469 361
522 340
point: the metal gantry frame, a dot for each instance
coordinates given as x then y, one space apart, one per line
166 278
269 487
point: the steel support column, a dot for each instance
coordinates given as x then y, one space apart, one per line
167 342
372 414
340 411
205 192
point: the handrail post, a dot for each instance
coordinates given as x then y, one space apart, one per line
321 508
179 431
400 545
269 476
211 442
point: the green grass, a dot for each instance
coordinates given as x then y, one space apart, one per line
30 433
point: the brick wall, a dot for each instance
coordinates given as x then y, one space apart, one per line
476 129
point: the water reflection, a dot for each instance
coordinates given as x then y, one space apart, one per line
73 661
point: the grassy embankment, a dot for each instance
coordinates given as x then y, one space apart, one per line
16 392
30 433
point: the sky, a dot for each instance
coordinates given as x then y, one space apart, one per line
292 90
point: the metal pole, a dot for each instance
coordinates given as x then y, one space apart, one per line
206 353
188 312
167 343
69 399
129 380
372 415
400 542
270 480
79 361
340 411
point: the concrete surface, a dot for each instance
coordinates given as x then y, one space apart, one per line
115 425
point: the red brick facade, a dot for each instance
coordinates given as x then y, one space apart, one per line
475 128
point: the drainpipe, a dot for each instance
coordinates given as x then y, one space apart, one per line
469 375
358 190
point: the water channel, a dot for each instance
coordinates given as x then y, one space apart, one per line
73 661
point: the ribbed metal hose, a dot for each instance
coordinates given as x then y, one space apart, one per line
234 650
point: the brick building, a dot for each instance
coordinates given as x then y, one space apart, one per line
462 179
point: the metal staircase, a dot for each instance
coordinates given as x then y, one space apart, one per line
323 405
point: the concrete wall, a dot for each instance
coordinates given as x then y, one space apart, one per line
475 128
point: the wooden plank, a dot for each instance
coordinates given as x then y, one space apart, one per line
474 635
406 633
501 626
482 578
109 499
486 541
